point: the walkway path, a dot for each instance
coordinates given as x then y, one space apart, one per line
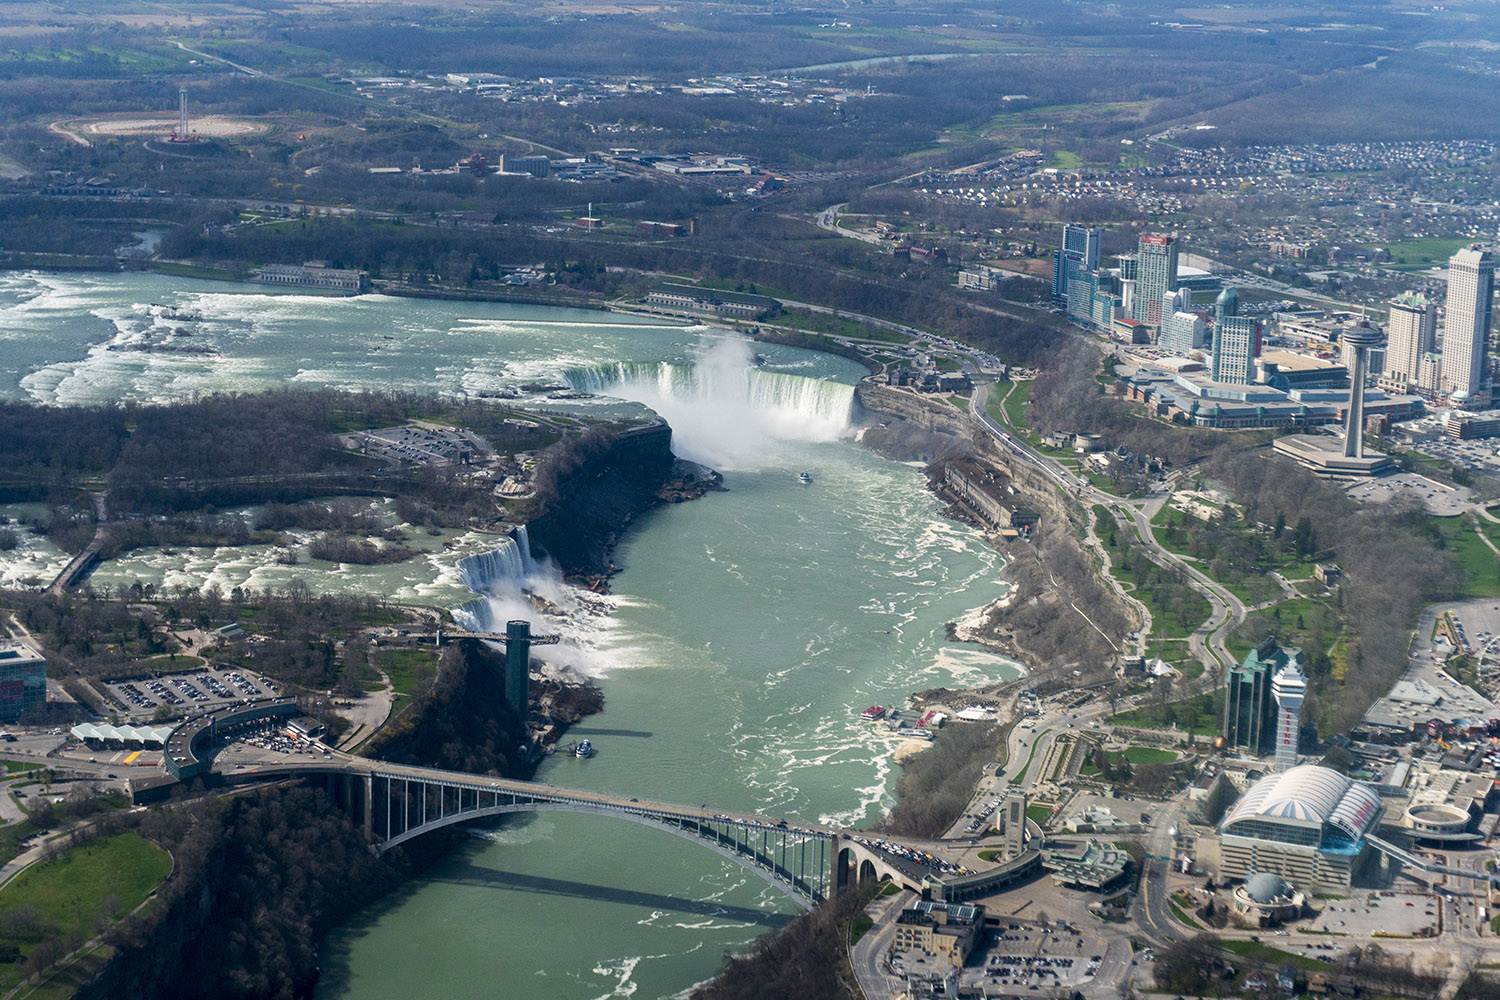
1208 642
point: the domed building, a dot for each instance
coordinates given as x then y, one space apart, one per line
1307 824
1266 899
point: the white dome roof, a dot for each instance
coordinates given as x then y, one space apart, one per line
1308 795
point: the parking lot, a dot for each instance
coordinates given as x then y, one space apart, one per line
1436 498
183 694
250 745
1025 957
1399 914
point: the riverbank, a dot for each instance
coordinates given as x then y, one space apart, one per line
1051 575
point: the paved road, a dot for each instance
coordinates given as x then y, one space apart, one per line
1209 641
869 953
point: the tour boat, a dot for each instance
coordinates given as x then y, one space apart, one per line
583 749
872 713
805 478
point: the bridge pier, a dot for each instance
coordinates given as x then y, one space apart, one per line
369 809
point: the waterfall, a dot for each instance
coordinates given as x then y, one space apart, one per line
477 615
824 405
504 565
725 411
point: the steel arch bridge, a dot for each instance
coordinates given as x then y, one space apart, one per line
798 860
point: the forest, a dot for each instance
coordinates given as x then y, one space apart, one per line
1377 605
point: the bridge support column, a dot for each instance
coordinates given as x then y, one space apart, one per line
369 806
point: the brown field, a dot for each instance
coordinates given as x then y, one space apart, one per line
207 126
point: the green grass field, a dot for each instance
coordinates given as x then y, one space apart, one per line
17 766
1424 252
68 894
1480 568
1266 955
1015 407
1149 755
408 669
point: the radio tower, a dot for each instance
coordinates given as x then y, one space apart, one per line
180 133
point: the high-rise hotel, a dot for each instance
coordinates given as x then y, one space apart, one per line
1156 275
1466 329
1410 334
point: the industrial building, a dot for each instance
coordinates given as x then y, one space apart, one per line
312 275
979 490
712 300
1308 825
23 680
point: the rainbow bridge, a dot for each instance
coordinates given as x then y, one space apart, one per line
396 803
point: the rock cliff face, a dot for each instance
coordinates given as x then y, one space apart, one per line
1052 575
610 486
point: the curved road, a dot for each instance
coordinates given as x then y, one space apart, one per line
1209 641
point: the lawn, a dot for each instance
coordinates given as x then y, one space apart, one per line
1149 755
17 766
68 893
1268 956
408 669
1014 404
1180 914
1204 711
1038 814
170 663
1176 609
1480 569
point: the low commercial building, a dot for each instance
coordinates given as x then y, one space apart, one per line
1325 456
1191 397
1445 806
114 737
947 932
23 680
1091 865
648 228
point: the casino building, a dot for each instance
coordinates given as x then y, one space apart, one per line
1307 824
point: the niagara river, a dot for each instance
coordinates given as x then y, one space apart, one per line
744 633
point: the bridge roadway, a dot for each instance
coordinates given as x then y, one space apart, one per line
249 763
398 802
